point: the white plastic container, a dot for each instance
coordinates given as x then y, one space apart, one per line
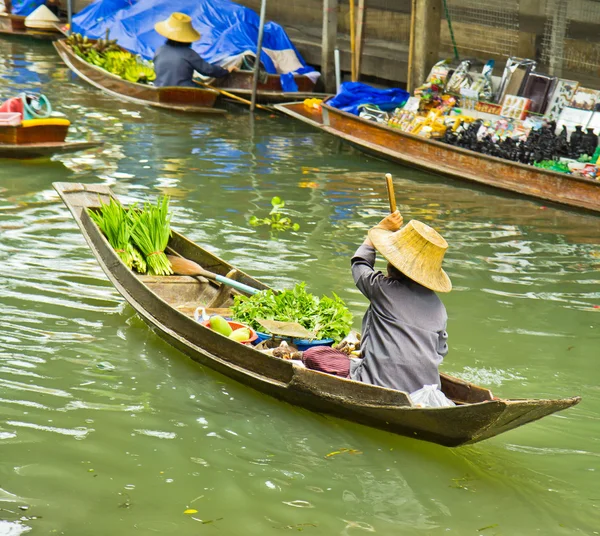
10 119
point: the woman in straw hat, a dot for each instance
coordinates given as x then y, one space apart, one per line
175 62
404 329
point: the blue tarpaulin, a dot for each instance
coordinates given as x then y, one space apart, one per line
25 7
228 31
353 94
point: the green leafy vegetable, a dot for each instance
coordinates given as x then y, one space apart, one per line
113 221
150 232
327 317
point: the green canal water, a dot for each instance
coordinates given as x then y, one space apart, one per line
105 429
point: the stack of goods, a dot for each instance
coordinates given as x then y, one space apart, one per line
138 235
524 117
328 318
107 55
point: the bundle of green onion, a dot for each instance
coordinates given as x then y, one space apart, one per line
150 232
113 221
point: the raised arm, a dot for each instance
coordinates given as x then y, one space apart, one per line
205 68
363 261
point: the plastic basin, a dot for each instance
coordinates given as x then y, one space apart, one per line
234 326
301 344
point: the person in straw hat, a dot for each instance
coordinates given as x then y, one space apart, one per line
404 337
175 62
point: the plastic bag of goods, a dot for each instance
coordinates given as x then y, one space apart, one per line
429 396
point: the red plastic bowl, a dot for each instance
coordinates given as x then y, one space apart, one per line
234 326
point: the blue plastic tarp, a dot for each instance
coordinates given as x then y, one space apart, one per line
25 7
228 31
353 94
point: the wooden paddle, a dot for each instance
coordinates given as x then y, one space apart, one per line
182 266
230 95
390 191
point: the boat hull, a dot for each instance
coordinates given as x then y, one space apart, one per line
43 150
443 159
269 90
477 417
181 99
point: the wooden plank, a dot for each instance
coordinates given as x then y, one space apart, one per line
428 19
329 43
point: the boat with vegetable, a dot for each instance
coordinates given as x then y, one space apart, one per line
93 61
168 303
443 159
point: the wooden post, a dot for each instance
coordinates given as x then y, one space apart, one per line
557 38
428 19
261 30
352 41
69 16
329 43
360 23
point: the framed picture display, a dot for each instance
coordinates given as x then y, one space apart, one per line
585 99
563 94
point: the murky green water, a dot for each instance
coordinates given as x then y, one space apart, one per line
126 450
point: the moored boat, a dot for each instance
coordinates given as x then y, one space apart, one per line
181 99
36 138
167 305
443 159
15 25
269 88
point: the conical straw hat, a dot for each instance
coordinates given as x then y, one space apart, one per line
42 17
178 27
417 251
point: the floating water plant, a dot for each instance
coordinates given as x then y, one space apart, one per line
276 220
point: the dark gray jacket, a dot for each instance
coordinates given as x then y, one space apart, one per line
404 337
175 66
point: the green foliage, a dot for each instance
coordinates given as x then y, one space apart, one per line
150 232
114 223
276 220
328 318
137 233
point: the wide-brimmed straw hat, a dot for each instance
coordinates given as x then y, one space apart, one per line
178 27
417 251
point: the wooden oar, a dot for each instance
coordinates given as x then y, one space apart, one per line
230 95
390 191
182 266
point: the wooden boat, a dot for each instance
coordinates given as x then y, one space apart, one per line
15 25
166 304
181 99
269 89
36 138
440 158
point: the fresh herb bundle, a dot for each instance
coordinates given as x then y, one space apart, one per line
113 221
328 318
150 232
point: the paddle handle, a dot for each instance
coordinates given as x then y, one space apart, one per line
236 284
390 191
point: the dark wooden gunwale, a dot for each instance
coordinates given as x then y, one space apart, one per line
18 28
146 95
38 150
370 405
457 163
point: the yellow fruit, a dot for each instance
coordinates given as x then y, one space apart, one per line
240 334
220 325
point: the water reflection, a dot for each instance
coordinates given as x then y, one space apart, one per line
104 425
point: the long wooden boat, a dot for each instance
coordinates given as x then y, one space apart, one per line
166 304
440 158
37 138
181 99
15 25
269 89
